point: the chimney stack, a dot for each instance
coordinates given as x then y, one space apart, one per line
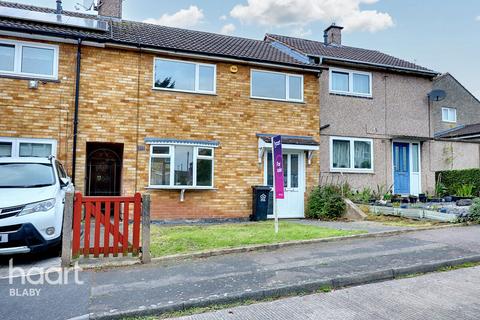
110 8
59 9
333 35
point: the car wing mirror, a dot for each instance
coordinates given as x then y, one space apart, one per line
64 182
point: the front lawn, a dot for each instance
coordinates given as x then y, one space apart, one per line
187 239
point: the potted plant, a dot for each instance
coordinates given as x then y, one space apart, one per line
464 191
413 199
422 197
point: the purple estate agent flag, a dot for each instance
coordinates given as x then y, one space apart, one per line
278 166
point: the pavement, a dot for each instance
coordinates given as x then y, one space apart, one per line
147 289
440 296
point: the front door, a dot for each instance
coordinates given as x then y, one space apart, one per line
104 169
401 168
294 182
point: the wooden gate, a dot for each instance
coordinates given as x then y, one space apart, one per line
106 225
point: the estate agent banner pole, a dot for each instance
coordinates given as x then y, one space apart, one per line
278 191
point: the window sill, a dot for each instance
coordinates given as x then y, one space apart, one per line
351 171
179 188
278 100
445 121
185 91
27 77
352 95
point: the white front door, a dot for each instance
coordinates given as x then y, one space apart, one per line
294 182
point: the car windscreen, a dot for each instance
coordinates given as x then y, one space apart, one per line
26 175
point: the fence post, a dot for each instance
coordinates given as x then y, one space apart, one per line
67 230
146 228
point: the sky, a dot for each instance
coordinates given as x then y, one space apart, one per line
442 35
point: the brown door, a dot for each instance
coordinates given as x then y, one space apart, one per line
104 169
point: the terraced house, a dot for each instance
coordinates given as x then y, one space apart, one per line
184 115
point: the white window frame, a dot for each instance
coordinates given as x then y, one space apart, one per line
171 155
17 141
197 77
448 110
287 86
352 168
17 69
350 91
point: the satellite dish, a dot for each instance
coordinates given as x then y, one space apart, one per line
87 4
437 95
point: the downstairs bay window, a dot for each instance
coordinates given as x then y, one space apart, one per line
351 154
181 167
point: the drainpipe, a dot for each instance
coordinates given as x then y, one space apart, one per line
75 116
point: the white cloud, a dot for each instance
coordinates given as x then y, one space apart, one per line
223 17
228 29
477 18
299 13
184 18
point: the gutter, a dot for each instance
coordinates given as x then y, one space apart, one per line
75 116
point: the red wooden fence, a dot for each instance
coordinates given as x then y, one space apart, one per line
106 225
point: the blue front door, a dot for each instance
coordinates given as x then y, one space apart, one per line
401 168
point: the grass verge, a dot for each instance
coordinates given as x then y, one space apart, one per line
401 221
188 239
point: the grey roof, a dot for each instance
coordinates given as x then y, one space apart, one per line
158 37
346 53
210 143
461 131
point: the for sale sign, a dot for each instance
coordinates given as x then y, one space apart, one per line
278 167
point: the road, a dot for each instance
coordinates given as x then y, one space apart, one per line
439 296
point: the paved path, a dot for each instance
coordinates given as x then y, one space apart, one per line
201 280
440 296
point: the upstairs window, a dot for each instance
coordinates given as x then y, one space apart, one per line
30 60
184 76
276 86
351 82
449 115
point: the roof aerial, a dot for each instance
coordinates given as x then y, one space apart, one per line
52 18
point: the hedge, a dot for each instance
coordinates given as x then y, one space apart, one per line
451 179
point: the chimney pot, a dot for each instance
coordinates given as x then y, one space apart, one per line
110 8
333 35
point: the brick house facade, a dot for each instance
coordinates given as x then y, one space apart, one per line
120 113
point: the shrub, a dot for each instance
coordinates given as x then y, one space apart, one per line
475 211
451 179
325 202
464 190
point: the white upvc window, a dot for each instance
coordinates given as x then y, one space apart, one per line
449 115
356 83
28 59
351 155
184 76
181 167
279 86
24 147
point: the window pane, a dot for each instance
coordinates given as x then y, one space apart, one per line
294 171
206 78
5 149
161 150
295 87
268 85
361 83
160 171
183 166
452 115
445 114
363 155
341 154
174 75
340 81
269 169
415 157
204 152
37 60
204 172
35 149
7 57
285 169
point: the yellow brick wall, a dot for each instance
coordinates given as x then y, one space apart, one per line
118 105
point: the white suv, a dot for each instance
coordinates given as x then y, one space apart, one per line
32 196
